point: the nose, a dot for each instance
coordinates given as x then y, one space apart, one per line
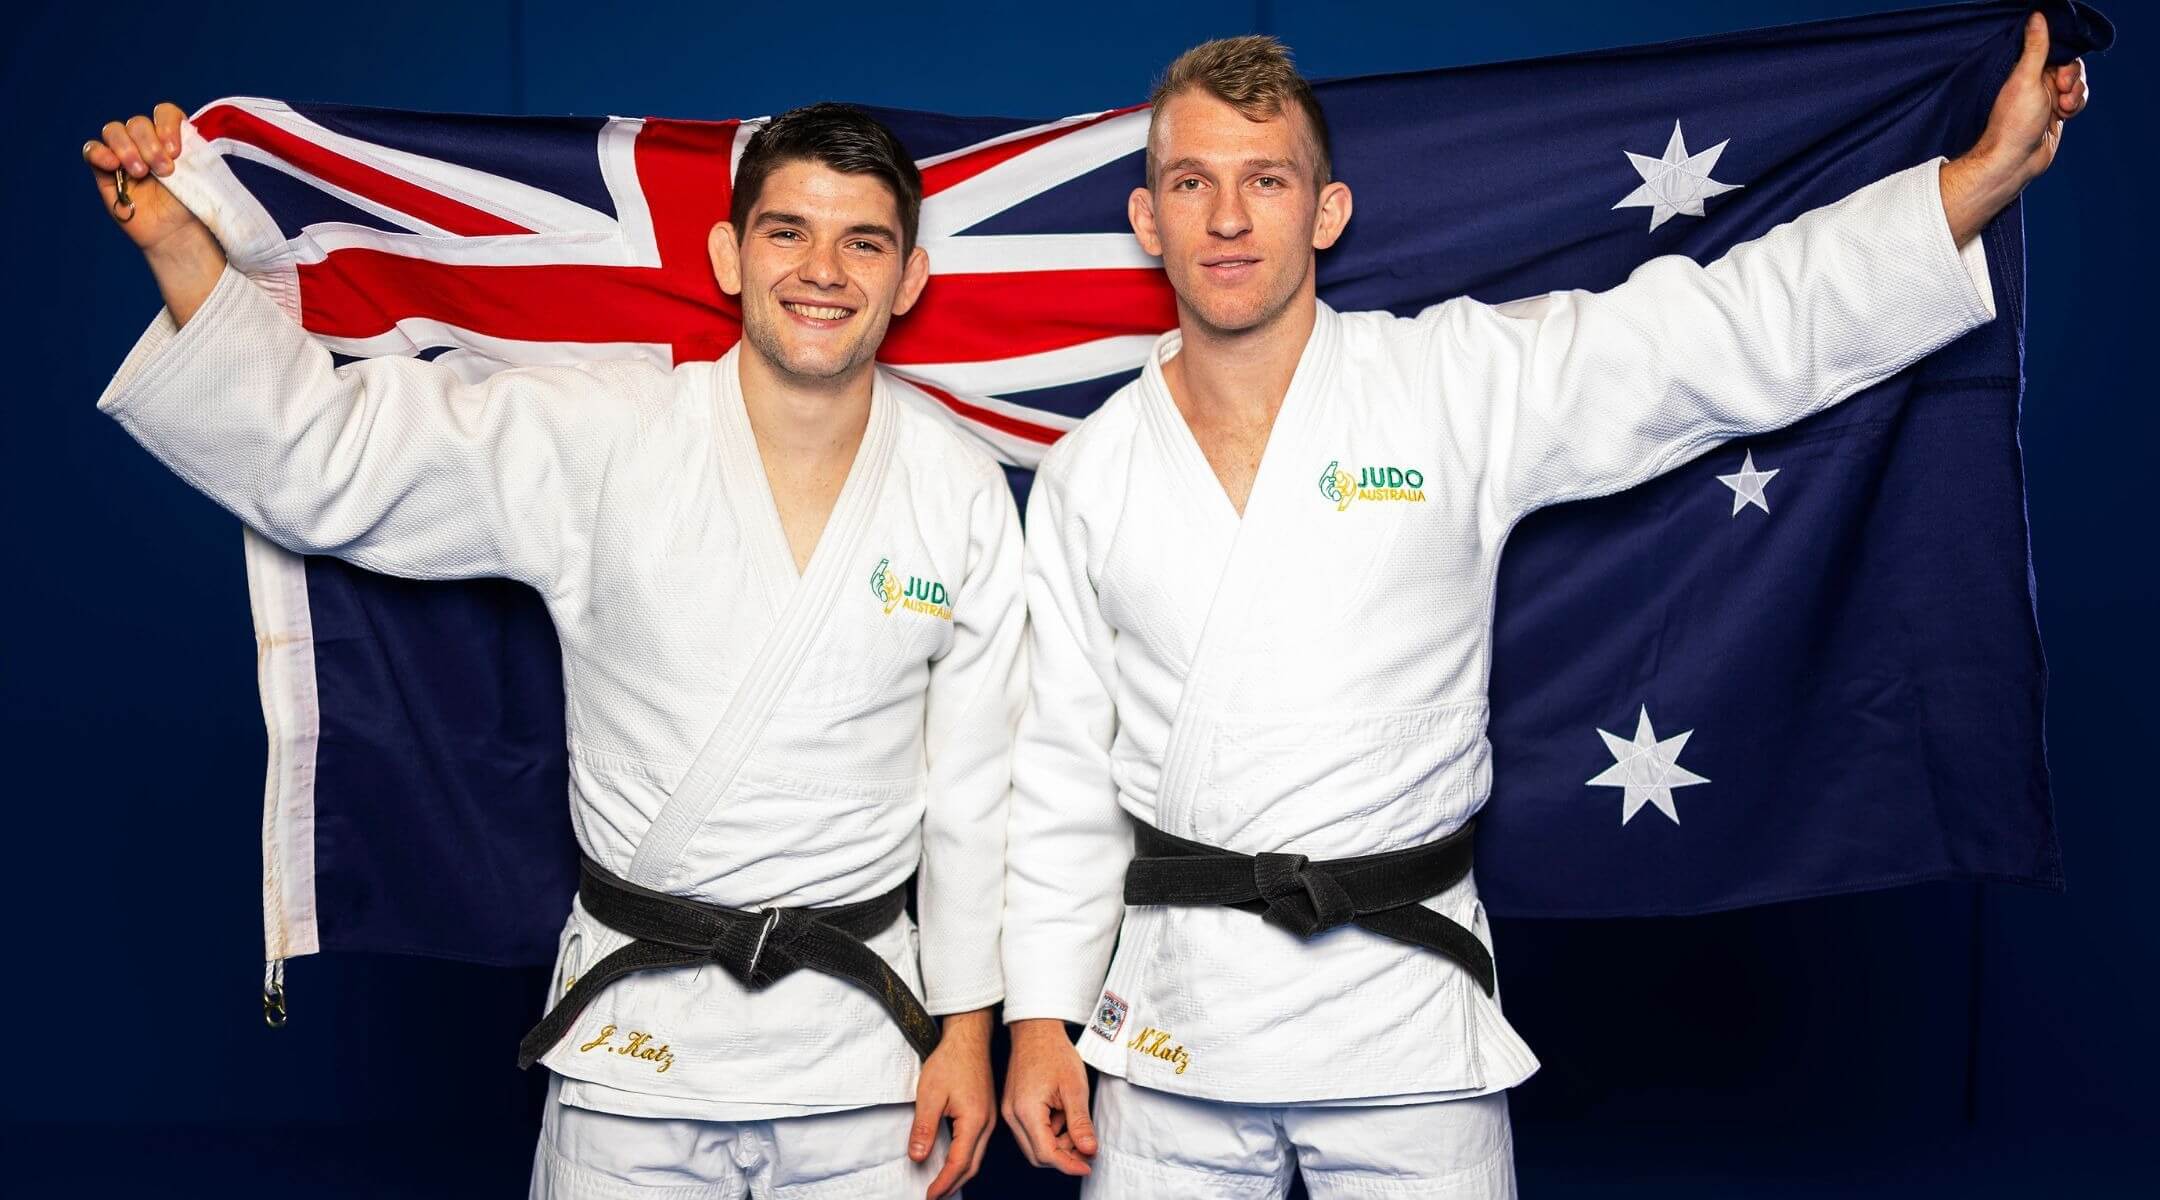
821 266
1227 217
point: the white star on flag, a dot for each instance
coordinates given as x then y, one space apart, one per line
1676 184
1747 486
1647 769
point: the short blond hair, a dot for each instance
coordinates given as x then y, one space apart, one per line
1253 74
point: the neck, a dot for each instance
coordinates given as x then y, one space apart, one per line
804 421
1242 374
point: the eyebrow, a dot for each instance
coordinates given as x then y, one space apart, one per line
795 221
1250 164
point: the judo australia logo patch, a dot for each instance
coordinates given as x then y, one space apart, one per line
1402 485
1109 1016
914 593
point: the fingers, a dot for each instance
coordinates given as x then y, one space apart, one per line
958 1155
929 1106
2072 91
2034 58
100 157
1077 1122
122 145
148 146
167 118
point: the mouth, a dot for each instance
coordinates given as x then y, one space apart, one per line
1230 267
821 316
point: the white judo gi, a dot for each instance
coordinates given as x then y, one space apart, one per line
1311 678
864 710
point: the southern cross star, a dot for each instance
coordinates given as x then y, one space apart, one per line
1676 184
1747 486
1647 769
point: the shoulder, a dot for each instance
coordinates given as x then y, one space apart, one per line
1104 441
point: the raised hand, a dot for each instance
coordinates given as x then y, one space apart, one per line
128 163
2024 131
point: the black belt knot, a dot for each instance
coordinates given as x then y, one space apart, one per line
1379 893
757 948
1300 897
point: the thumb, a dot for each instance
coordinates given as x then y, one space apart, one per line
929 1106
2036 44
1077 1122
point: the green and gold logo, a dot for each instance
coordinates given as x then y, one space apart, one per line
1402 484
925 596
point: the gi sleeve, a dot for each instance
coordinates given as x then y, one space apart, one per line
395 464
1065 870
1587 393
974 697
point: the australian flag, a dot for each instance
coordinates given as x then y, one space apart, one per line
1803 664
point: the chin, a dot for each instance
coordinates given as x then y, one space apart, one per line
1232 314
817 361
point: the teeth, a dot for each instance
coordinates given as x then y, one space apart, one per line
817 312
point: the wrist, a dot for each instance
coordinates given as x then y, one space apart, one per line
966 1028
189 248
1037 1029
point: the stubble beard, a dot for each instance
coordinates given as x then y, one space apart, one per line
773 349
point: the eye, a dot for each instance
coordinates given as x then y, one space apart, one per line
1188 184
787 233
1268 182
867 246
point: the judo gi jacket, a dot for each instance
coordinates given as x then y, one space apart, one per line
737 734
1311 678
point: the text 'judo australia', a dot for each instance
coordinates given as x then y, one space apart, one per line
926 596
1404 484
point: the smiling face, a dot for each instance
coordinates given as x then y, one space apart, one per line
821 269
1235 209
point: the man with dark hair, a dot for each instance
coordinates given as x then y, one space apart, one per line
788 597
1196 814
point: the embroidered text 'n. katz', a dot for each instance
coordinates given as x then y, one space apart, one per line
1155 1043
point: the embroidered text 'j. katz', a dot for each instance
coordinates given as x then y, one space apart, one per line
639 1046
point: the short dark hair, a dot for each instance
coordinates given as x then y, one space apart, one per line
840 136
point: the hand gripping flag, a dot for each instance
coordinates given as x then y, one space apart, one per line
1805 663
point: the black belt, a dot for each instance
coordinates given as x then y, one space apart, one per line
757 948
1378 892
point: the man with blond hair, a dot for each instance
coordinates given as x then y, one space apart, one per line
1207 564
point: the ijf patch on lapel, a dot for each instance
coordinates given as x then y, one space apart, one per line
1109 1016
914 593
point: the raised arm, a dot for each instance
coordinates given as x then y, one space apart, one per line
1579 394
395 464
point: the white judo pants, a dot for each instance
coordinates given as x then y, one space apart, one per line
859 1154
1153 1145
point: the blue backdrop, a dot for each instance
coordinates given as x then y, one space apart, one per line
1925 1040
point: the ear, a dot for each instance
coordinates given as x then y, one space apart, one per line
726 254
1140 210
1333 216
913 277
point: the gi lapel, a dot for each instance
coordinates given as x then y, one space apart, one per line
1191 732
808 606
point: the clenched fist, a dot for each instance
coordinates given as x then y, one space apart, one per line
128 163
